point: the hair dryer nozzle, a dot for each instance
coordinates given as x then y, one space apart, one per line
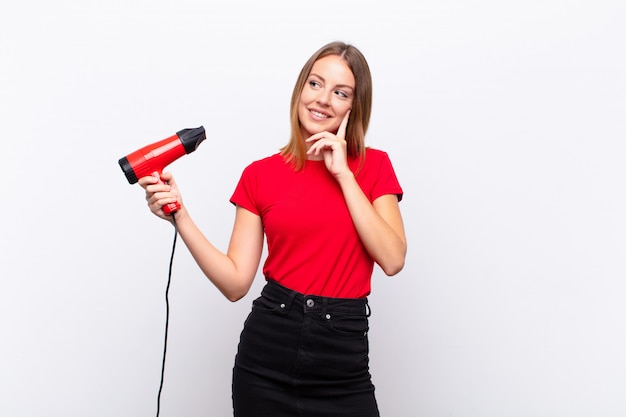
128 170
191 138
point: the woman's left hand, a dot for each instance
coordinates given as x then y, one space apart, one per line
332 147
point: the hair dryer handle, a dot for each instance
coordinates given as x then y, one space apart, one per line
170 208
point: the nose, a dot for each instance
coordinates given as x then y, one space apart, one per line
324 97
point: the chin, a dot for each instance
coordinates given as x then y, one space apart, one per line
308 129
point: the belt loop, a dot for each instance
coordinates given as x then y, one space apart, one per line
368 310
289 302
324 307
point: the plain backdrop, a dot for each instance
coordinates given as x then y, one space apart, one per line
505 122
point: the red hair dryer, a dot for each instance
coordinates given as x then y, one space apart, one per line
152 159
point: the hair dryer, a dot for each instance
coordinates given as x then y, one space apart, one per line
152 159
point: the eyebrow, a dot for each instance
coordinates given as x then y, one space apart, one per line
338 85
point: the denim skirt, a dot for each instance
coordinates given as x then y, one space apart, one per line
303 356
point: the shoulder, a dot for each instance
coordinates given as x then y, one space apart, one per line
376 158
268 162
373 161
377 175
376 154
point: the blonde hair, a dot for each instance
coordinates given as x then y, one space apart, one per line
295 150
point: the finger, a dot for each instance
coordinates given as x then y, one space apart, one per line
341 132
313 150
158 200
148 180
158 187
317 136
320 145
167 177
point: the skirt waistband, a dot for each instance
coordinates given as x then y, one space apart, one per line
314 303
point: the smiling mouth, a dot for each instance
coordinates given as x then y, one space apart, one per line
319 115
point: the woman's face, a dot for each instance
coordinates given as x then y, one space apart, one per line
326 97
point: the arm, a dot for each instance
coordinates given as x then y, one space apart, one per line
232 272
379 225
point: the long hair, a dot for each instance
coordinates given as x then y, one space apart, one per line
295 150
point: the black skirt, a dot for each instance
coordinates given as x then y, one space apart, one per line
303 356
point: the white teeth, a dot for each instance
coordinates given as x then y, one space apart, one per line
318 114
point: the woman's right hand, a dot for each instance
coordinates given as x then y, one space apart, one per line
159 192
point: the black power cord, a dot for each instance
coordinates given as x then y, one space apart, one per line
167 314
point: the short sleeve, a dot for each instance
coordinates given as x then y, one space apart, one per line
245 191
385 181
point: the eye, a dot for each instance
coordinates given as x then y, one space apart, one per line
314 84
346 94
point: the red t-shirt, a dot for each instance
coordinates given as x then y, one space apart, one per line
313 247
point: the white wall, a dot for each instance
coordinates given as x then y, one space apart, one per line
505 122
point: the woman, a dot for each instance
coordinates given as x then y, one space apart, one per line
328 207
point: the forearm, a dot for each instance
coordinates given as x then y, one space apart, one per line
219 267
380 228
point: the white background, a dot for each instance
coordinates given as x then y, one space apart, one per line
505 122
